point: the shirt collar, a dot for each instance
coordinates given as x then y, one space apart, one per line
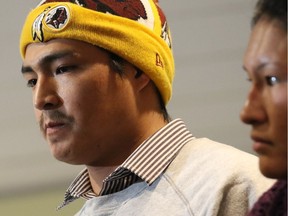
153 156
147 162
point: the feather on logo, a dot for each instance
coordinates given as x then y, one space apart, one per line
37 31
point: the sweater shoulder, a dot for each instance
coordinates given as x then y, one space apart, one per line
217 174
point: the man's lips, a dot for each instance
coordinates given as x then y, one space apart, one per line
52 127
54 122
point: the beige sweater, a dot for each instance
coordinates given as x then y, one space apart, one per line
205 179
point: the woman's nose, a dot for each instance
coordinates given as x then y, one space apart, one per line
253 111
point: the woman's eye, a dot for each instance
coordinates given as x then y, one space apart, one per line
248 79
271 80
31 83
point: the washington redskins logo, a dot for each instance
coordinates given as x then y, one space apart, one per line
54 18
57 18
138 10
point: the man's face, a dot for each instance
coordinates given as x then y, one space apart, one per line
265 109
85 110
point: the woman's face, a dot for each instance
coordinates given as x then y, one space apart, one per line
265 62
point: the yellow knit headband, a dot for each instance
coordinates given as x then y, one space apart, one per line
142 38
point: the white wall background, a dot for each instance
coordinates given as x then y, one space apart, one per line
209 39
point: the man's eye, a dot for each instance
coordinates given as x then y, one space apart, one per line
64 69
31 83
271 80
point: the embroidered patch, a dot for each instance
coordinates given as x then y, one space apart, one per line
57 18
54 18
158 61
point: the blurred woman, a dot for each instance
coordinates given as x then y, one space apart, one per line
265 62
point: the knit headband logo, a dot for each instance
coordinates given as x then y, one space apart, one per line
137 10
132 9
54 18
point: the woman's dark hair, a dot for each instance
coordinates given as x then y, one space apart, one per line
273 9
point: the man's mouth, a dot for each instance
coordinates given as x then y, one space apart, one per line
52 127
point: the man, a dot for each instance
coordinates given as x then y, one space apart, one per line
101 74
265 62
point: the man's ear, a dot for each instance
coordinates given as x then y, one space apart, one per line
138 73
142 79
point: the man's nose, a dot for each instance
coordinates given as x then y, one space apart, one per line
46 94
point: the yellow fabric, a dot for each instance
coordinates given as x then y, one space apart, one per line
131 40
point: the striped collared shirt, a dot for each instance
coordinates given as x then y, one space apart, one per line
146 163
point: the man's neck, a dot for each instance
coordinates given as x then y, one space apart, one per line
97 175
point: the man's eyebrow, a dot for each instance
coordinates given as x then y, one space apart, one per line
25 69
48 60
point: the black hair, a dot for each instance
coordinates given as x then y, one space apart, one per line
117 63
272 9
